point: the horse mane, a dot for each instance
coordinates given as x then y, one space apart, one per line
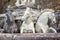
47 10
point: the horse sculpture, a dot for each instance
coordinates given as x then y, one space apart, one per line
27 25
42 22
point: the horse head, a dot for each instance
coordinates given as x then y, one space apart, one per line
52 17
28 18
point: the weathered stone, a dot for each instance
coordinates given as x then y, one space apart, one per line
20 37
6 36
38 36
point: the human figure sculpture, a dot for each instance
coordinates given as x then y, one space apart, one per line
9 24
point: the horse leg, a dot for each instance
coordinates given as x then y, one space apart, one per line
33 30
53 30
21 31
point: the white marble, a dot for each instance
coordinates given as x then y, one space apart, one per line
43 20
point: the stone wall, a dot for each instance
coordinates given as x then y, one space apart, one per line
48 36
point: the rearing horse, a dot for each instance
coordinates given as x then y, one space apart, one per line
27 25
